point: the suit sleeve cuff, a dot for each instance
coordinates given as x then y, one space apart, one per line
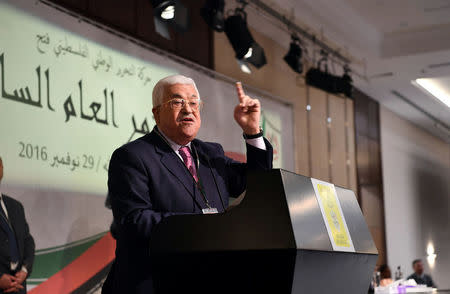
257 142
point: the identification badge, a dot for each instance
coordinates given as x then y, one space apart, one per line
211 210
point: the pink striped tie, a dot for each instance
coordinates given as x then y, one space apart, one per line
187 158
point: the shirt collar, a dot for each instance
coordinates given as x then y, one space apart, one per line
175 147
1 196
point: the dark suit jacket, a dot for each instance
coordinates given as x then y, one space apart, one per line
148 182
25 241
426 280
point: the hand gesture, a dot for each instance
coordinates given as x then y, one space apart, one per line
248 112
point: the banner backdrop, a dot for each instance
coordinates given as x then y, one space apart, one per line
71 93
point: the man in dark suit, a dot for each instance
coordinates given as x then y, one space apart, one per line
419 276
16 245
169 172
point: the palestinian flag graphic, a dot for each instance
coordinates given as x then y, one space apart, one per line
77 267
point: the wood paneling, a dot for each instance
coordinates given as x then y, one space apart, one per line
374 166
188 44
370 196
351 146
368 164
74 5
373 120
106 12
362 159
319 134
338 150
378 235
361 115
301 132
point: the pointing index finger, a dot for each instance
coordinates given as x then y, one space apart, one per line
240 92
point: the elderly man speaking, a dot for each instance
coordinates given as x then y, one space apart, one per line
169 172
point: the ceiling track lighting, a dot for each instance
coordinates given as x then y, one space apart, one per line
294 56
171 13
330 83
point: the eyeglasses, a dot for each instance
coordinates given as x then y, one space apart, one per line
180 103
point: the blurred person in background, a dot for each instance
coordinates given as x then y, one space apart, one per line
419 276
385 275
16 245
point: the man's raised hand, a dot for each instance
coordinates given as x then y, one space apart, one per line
248 112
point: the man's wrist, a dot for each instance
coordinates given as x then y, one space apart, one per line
253 134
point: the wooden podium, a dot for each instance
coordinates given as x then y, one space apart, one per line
274 241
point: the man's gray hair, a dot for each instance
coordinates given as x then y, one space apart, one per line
158 90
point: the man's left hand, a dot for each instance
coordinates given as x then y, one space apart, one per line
21 276
248 112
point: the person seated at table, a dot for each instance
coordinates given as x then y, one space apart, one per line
419 276
385 275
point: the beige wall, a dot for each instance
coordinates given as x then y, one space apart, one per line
322 150
416 178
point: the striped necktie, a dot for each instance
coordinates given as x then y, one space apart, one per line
188 161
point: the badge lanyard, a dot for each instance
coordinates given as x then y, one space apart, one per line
198 184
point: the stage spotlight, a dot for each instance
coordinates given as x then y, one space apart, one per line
319 79
330 83
245 47
164 9
294 56
169 13
212 13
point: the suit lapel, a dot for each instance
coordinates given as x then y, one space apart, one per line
5 220
173 163
11 215
13 219
10 221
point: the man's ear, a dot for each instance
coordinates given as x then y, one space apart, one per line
155 111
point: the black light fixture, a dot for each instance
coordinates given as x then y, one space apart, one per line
321 79
245 47
169 13
346 86
294 56
212 13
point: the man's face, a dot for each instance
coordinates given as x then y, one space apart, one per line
1 169
418 268
180 125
